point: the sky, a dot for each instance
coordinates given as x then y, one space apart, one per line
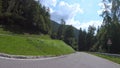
79 13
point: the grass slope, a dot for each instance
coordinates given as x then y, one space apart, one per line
111 58
32 45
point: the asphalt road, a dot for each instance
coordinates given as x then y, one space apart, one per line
77 60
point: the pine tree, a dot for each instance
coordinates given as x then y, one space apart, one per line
26 16
110 28
69 37
82 40
0 7
61 30
90 38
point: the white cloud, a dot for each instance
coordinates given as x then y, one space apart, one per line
54 2
49 3
66 11
102 6
51 10
83 25
62 3
74 23
63 10
100 12
95 23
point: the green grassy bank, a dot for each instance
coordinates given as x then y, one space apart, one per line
34 45
111 58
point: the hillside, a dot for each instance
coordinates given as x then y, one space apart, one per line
25 27
41 45
56 25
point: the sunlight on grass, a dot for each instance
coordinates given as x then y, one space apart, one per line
31 45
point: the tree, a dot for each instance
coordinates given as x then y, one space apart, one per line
61 30
26 16
82 40
103 33
0 7
69 37
86 39
110 28
5 4
90 38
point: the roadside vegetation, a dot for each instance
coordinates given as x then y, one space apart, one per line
27 25
111 58
25 29
33 45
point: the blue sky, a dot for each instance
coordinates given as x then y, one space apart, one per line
79 13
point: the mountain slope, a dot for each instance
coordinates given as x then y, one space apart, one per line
55 27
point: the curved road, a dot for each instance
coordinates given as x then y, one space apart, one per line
76 60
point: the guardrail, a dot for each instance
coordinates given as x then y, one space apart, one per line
109 54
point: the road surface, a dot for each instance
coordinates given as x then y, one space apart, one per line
76 60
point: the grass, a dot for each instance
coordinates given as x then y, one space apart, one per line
111 58
33 45
2 31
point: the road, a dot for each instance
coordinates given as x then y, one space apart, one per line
76 60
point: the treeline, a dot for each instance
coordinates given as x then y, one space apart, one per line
64 32
80 40
110 29
24 16
86 39
107 38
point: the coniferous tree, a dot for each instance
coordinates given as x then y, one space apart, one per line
69 37
26 16
82 46
90 39
110 28
61 30
0 7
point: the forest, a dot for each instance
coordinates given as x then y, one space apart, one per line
30 16
24 16
107 38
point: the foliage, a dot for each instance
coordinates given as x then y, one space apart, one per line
67 33
86 39
82 40
110 28
55 26
0 7
25 16
61 30
69 37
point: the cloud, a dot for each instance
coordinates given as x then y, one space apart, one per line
84 25
51 10
102 6
92 22
49 3
66 11
74 23
63 10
